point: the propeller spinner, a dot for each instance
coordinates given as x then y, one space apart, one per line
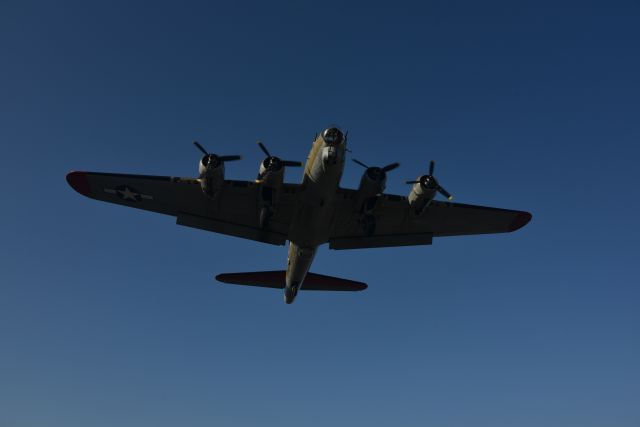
375 172
429 182
273 163
214 159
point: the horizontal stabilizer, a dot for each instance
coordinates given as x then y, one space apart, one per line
276 279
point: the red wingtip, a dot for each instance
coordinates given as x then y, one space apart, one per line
78 181
520 221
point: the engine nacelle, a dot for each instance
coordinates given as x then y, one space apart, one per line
270 177
421 196
367 223
271 172
372 183
424 190
211 171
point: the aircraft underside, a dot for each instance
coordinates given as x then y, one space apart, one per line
309 214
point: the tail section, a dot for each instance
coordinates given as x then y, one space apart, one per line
276 280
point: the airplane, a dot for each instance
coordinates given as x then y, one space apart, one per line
307 215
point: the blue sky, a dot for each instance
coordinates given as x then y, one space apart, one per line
111 316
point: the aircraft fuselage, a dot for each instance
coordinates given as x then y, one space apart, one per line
312 219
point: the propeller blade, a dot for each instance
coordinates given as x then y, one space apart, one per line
412 182
360 163
444 192
390 167
292 163
264 149
229 158
200 147
432 166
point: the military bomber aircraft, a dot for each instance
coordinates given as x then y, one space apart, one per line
308 214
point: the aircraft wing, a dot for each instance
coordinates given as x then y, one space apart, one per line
397 225
234 212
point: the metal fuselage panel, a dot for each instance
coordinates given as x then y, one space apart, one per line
313 216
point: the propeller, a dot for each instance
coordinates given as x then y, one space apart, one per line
376 172
431 183
275 163
214 159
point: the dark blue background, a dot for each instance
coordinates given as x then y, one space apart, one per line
110 316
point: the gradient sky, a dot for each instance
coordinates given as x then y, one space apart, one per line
111 316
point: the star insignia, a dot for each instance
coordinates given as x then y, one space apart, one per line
127 193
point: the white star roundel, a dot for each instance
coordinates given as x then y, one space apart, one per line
127 193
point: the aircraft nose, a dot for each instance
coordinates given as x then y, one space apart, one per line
333 136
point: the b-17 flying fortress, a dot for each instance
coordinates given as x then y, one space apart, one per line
309 214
